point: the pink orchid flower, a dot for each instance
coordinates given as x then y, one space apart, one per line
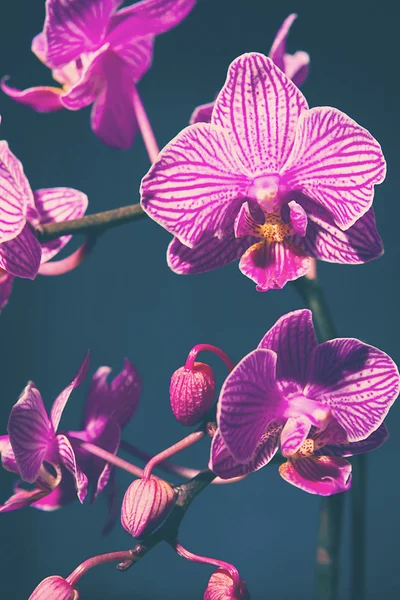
98 54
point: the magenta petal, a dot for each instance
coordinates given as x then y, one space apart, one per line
294 434
298 218
148 17
137 54
7 455
322 475
336 163
326 241
15 194
359 383
90 84
225 466
73 27
196 185
272 265
6 285
260 107
41 98
248 402
30 432
296 67
62 495
21 499
113 117
372 442
21 256
68 459
202 114
61 400
293 339
55 205
109 440
208 254
97 396
278 48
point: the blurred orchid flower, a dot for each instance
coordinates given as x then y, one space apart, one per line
98 54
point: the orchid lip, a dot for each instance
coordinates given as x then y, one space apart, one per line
299 405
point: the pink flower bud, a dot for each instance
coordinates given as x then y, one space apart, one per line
146 504
54 588
192 393
221 586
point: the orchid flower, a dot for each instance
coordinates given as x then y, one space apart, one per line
320 402
295 66
98 55
21 210
268 181
34 449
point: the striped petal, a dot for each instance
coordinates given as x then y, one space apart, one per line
196 185
148 17
359 383
61 400
73 27
260 108
322 475
91 82
15 194
202 114
294 434
54 588
41 98
336 163
30 431
325 241
293 339
248 402
272 265
137 54
62 495
113 117
372 442
21 256
278 48
6 285
7 455
21 499
208 254
225 466
68 460
55 205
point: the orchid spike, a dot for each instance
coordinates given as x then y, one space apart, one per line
54 588
295 66
320 402
98 54
21 210
268 181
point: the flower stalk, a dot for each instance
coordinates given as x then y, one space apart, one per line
145 127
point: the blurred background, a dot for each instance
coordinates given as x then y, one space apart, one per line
124 301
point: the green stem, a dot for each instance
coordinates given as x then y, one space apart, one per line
331 513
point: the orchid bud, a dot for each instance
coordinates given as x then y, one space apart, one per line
54 588
222 586
192 393
147 502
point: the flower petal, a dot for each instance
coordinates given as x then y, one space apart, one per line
294 434
248 402
41 98
113 116
73 27
322 475
54 588
359 383
298 218
336 163
6 285
278 48
15 194
68 459
90 83
55 205
21 499
21 256
210 253
260 107
372 442
271 266
225 466
30 432
62 495
137 54
61 400
100 471
196 185
293 339
148 17
325 241
202 114
296 67
7 455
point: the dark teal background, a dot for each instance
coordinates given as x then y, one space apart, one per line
124 301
